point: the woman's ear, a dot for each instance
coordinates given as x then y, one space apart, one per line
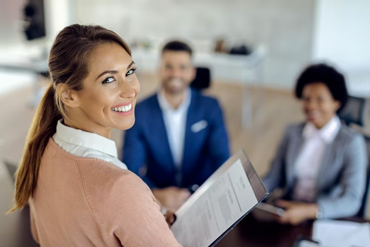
68 96
337 105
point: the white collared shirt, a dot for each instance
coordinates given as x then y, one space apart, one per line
310 158
86 144
175 123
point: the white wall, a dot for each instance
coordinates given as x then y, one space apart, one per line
11 12
13 43
342 36
295 33
57 16
285 27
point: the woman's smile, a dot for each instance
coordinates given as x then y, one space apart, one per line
123 109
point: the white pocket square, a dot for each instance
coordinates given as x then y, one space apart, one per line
199 126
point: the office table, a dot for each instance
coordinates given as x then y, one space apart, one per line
250 232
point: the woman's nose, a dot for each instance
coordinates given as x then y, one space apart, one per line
311 105
127 90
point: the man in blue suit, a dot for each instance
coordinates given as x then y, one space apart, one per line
179 137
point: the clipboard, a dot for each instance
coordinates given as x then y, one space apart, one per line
306 242
238 165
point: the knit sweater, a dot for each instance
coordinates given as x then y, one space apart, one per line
90 202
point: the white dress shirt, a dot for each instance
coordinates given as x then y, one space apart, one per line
310 158
86 144
175 123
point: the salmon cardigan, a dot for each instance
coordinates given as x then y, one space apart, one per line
90 202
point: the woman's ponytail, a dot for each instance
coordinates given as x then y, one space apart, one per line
42 129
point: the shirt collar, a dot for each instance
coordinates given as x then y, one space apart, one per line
165 106
327 133
86 139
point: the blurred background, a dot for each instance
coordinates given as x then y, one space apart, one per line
254 49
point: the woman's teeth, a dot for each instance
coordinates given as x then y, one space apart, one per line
122 108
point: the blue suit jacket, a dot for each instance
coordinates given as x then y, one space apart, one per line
146 143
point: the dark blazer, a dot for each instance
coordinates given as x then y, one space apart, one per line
205 149
341 177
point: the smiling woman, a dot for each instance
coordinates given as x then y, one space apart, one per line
79 193
320 164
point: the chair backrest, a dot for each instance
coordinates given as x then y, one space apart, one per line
202 79
354 111
362 211
11 169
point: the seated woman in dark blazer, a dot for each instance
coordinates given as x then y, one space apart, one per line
320 164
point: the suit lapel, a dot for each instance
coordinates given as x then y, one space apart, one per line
191 118
293 152
327 160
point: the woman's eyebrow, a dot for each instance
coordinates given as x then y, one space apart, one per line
130 64
114 71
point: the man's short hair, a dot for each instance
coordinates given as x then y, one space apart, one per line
177 46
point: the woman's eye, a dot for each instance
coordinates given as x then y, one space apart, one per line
130 72
108 80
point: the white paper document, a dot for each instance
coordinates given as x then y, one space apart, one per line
334 233
220 202
305 243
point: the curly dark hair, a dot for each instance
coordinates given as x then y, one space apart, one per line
328 75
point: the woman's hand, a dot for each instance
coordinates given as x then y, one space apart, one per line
296 212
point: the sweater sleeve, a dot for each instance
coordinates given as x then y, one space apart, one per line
134 216
275 177
33 225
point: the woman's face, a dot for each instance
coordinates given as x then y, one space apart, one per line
318 104
109 92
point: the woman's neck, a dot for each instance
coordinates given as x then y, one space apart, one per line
319 126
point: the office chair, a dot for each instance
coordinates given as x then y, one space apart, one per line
11 169
202 79
362 210
354 111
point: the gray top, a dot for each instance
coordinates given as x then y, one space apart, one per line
341 177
